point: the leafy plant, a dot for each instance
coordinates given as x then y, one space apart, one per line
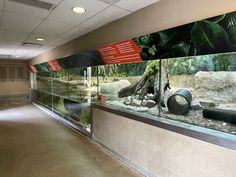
222 62
215 35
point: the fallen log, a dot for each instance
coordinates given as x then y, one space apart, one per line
220 114
133 88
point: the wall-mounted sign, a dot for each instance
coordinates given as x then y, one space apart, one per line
122 52
55 65
210 36
33 69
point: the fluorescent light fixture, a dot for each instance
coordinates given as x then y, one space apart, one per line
29 44
78 10
40 39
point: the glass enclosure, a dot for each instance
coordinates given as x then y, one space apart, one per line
199 90
69 93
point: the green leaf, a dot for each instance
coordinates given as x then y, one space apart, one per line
145 40
180 50
166 36
209 36
217 19
151 51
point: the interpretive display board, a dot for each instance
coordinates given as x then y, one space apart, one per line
210 36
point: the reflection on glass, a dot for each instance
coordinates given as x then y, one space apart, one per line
197 90
208 85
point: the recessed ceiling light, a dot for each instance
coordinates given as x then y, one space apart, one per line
40 39
78 10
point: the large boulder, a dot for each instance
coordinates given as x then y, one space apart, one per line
217 86
114 87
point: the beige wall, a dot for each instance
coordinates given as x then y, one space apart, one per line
162 15
163 153
15 86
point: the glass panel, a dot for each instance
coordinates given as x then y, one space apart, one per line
202 91
82 91
60 92
60 84
44 89
124 86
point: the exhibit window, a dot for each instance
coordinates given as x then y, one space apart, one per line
198 90
68 93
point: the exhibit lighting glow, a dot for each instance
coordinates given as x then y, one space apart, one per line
40 39
78 10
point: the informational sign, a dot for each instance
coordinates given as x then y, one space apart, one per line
103 99
33 69
122 52
54 64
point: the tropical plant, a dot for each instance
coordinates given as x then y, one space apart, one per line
214 35
222 62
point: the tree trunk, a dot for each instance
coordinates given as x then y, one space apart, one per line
141 87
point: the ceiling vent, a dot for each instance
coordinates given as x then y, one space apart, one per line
35 3
29 44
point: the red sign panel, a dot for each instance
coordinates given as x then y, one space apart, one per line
33 69
122 52
54 64
103 99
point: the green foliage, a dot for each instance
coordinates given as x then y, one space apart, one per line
189 65
222 62
152 69
209 36
122 70
214 35
85 117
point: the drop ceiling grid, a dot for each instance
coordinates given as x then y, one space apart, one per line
59 25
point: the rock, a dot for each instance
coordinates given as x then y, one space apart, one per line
137 109
227 106
150 96
218 86
224 124
114 87
127 100
136 103
154 111
136 96
214 80
148 103
207 103
195 105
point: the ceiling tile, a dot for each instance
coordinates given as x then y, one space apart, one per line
52 28
134 5
110 1
13 36
24 51
18 22
32 39
63 12
104 17
8 47
19 8
1 4
76 32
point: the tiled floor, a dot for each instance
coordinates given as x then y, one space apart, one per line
32 144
